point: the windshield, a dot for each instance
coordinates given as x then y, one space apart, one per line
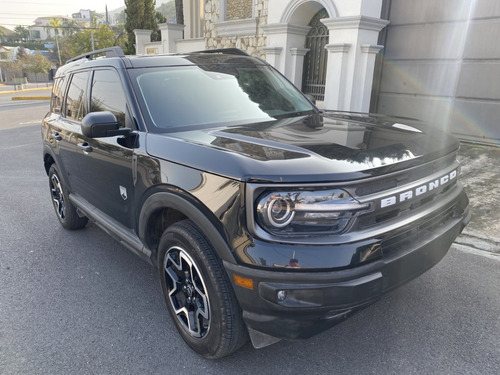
217 94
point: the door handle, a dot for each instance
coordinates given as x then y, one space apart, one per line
56 136
85 147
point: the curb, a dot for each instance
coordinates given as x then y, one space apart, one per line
474 251
479 243
31 98
25 90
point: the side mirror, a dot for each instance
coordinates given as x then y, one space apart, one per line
102 124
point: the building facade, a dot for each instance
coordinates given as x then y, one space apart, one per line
435 61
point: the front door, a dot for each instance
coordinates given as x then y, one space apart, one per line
106 164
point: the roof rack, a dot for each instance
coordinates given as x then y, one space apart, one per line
110 52
225 51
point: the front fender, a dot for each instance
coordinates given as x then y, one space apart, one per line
161 200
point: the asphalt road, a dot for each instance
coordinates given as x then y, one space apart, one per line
79 303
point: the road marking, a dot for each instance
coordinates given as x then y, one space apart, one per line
481 253
30 122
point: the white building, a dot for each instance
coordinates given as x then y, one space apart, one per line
42 30
433 60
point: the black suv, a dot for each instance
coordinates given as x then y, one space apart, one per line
265 216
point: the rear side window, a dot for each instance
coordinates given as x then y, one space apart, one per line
107 95
76 100
57 95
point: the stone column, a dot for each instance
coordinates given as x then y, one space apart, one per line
297 65
336 74
273 55
356 75
368 54
141 38
170 33
286 37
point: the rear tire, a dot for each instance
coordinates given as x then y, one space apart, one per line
198 293
65 211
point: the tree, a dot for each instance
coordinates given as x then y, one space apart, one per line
36 64
22 33
168 10
70 27
179 11
104 37
21 53
55 24
141 14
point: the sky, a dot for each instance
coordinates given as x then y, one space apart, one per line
24 12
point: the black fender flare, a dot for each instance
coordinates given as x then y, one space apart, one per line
48 151
170 200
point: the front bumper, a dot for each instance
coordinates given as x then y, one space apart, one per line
316 301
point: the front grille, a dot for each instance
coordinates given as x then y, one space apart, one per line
422 230
408 194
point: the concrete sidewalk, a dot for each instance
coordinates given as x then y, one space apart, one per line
29 89
481 179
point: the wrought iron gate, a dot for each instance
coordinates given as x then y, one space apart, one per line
314 74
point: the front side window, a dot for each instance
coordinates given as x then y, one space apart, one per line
217 94
107 95
76 101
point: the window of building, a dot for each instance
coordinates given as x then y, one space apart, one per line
35 34
236 18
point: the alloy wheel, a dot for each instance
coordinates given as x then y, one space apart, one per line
187 292
58 196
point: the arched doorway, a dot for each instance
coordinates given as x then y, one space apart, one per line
314 72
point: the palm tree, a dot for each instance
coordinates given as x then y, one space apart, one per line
56 24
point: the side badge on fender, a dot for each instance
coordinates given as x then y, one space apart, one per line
123 193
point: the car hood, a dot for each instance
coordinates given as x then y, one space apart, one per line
331 146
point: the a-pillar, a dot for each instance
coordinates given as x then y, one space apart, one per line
141 38
353 44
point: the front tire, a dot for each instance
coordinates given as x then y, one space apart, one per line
65 211
198 293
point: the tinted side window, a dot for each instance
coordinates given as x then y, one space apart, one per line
76 103
107 94
57 95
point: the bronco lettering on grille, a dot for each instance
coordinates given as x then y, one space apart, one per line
419 190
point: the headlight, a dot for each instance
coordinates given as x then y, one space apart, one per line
303 212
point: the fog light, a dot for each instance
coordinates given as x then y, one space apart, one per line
281 295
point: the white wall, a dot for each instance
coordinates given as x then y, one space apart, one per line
442 65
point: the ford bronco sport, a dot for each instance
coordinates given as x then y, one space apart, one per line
266 217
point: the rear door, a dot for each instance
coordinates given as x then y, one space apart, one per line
64 122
